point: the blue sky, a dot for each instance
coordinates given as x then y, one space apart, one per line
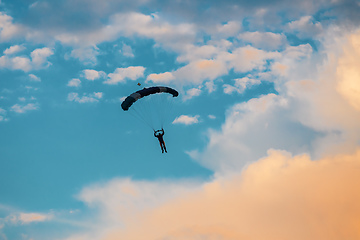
267 89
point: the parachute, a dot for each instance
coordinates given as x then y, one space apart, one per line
151 105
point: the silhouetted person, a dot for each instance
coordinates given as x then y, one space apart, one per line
159 134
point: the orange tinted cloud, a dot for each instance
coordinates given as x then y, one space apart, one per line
279 197
348 71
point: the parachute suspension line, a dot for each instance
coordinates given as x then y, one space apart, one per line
139 116
144 109
168 109
160 102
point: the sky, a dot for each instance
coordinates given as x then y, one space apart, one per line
263 140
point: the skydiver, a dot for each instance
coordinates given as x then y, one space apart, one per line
159 134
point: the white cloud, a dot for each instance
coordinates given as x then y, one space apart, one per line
264 40
199 71
248 58
186 119
85 98
228 29
14 49
240 85
87 55
39 57
122 74
38 60
193 92
92 75
305 27
210 86
27 218
127 25
24 108
8 29
287 65
212 116
316 103
75 82
165 77
3 115
20 63
127 51
34 78
193 53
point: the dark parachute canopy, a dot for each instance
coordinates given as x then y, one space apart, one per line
152 105
126 104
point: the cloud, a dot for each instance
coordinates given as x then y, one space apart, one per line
39 57
212 116
199 71
122 74
75 82
165 77
228 29
3 115
8 29
192 92
34 78
278 197
85 98
24 108
305 27
27 218
20 63
131 24
187 120
14 49
92 75
316 102
240 85
127 51
264 40
348 73
87 55
248 58
38 60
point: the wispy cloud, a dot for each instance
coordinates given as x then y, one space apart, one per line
27 218
85 98
3 113
34 78
186 119
240 85
192 92
18 108
75 82
264 40
305 27
127 51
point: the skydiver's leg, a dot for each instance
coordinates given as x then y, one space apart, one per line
164 146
